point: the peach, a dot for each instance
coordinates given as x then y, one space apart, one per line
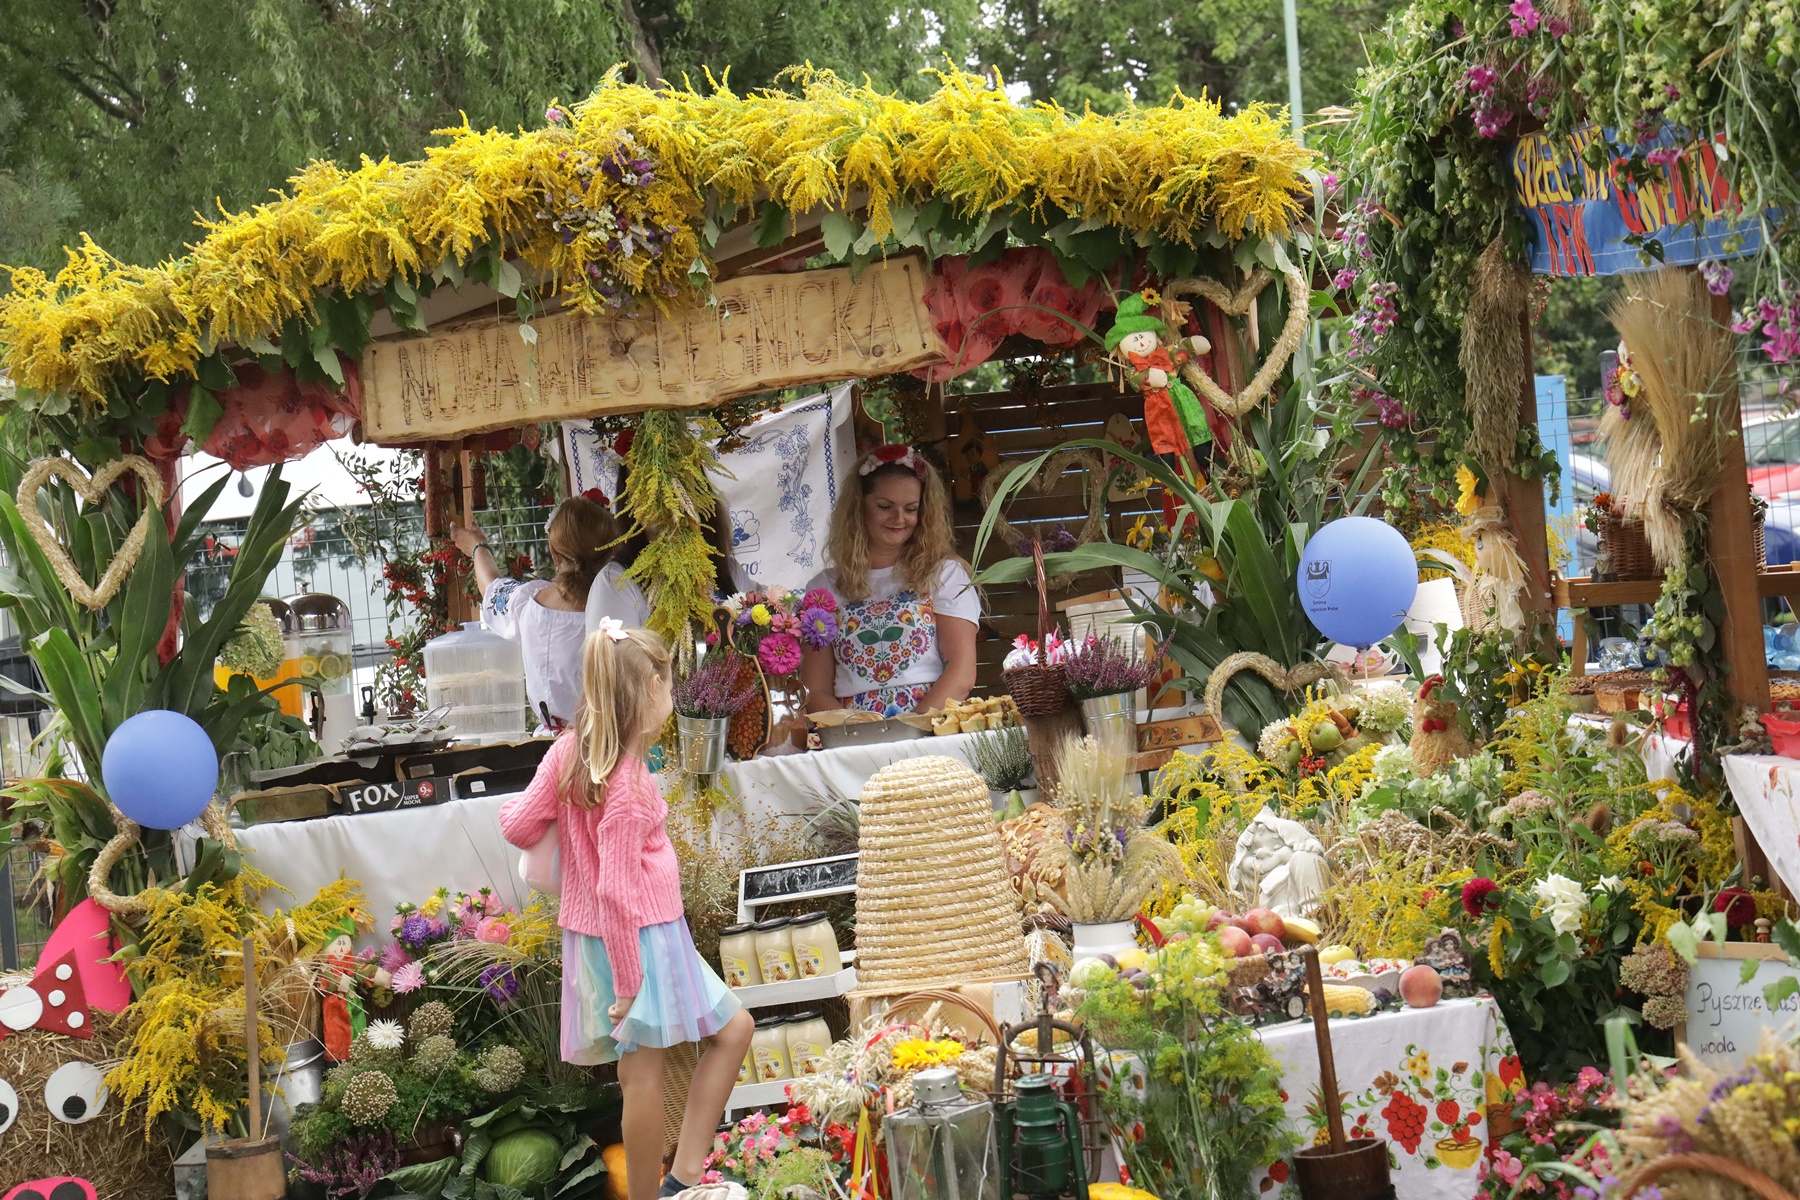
1420 986
1235 941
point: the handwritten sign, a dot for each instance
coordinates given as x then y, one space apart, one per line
1726 1016
797 881
1591 218
762 331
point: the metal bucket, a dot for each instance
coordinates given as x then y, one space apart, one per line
1114 716
301 1080
702 743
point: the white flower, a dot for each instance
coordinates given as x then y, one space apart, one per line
1609 883
385 1035
1275 735
1564 900
1392 764
1385 707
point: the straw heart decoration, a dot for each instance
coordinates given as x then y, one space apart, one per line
91 490
1281 678
1241 303
1086 463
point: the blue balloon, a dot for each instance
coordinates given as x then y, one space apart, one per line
160 768
1357 578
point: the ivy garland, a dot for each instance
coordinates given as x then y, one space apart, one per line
1455 82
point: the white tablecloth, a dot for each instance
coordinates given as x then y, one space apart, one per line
1419 1077
1659 751
404 856
1764 787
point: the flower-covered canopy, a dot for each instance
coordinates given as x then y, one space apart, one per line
624 199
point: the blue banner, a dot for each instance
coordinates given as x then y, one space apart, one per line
1588 219
1553 430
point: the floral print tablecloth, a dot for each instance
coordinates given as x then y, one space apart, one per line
1421 1078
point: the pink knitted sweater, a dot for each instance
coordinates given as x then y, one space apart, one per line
619 872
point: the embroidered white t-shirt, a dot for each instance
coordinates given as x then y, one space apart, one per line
889 639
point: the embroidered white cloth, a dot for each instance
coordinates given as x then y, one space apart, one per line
778 490
1765 787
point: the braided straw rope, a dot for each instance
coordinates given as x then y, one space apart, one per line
1238 304
215 821
933 905
1284 679
1730 1169
90 490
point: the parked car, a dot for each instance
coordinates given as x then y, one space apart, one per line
1589 476
1772 457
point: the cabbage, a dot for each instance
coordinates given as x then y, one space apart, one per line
526 1159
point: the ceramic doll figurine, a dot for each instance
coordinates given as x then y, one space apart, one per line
1279 864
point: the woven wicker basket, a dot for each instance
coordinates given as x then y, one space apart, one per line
1728 1169
1040 690
933 904
1624 547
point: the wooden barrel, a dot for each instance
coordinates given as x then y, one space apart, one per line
1360 1172
245 1170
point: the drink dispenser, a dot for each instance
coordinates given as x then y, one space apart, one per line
291 698
480 677
324 661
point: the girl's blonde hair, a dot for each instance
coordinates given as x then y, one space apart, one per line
617 679
933 539
583 537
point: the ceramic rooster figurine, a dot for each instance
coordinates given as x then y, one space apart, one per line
1438 739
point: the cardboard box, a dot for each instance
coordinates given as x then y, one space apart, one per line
458 760
483 782
359 798
302 803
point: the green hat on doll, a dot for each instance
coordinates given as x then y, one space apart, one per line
1133 317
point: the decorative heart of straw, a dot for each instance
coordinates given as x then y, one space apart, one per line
1283 678
90 490
1061 464
1237 303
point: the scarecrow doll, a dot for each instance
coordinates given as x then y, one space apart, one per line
1173 417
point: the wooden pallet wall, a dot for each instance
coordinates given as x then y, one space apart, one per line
1019 426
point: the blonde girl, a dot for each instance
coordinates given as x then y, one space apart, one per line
908 609
633 984
550 618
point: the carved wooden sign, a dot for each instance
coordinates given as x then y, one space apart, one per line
762 331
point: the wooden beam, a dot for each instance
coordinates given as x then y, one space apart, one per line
1523 500
1733 550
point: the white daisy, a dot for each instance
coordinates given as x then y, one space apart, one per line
385 1035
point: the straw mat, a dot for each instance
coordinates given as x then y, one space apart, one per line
933 905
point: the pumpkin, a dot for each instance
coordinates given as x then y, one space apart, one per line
614 1158
1116 1191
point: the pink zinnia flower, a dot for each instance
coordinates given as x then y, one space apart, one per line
819 598
779 653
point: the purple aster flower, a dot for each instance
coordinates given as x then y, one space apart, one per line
500 983
818 628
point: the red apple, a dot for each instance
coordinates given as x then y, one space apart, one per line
1242 923
1219 917
1265 920
1420 986
1267 943
1235 941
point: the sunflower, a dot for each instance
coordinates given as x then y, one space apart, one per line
1468 491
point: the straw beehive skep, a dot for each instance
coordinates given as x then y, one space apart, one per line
933 904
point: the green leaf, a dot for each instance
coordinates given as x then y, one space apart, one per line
204 411
1684 941
425 1179
402 289
1747 972
507 280
904 217
327 358
215 373
1778 993
68 678
839 232
1787 936
1554 973
771 225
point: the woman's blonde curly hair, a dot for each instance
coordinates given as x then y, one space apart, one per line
933 539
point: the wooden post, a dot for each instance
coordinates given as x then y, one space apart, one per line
1523 500
442 504
1734 552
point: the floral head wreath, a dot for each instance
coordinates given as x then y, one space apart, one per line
598 497
892 456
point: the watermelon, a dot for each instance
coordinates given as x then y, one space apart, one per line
523 1160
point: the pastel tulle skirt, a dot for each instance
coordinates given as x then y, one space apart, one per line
681 1000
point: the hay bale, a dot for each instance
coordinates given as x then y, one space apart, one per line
109 1150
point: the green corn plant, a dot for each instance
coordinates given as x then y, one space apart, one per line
1308 470
101 667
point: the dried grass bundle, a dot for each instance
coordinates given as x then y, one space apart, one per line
1493 357
1113 864
1664 450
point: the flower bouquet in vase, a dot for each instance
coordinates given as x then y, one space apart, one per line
769 630
706 700
1104 676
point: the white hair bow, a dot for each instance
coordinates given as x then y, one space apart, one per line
612 627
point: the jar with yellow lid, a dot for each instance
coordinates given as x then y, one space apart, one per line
815 946
737 956
775 951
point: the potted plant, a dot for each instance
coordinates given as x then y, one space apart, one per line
1105 674
1115 862
705 701
1002 757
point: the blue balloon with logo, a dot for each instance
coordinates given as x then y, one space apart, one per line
1357 578
160 769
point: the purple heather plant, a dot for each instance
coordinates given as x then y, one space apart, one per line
1105 666
354 1166
710 690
